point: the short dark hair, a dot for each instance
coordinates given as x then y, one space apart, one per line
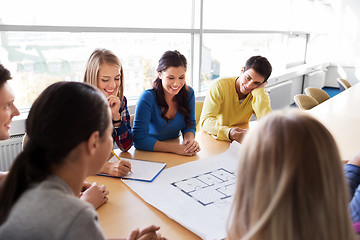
261 65
4 75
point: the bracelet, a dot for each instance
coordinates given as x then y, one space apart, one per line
117 121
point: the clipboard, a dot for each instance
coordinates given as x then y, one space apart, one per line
142 170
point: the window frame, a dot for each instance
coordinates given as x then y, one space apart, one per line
196 32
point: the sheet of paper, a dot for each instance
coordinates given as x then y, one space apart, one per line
198 194
142 170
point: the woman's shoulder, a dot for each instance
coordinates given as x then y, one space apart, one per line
190 93
190 90
148 96
148 93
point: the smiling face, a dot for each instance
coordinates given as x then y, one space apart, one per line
109 79
249 80
7 110
173 79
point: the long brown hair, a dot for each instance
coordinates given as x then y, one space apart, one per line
290 183
53 135
172 59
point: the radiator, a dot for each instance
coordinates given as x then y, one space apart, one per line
9 149
280 95
315 79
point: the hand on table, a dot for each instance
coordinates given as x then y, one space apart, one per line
237 134
148 233
95 195
191 146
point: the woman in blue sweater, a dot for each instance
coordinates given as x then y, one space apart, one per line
166 109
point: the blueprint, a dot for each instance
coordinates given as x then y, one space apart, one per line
198 194
212 187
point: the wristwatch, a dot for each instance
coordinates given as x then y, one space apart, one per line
117 121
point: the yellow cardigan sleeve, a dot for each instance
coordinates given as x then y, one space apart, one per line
260 102
211 108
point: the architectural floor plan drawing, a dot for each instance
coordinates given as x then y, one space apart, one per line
214 187
196 194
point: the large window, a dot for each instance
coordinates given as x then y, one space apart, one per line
262 15
94 13
47 41
226 54
38 59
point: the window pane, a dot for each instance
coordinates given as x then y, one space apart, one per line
226 54
37 59
296 50
109 13
247 15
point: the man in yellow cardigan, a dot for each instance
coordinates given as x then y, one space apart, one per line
232 101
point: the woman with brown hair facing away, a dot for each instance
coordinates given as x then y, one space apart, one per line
39 197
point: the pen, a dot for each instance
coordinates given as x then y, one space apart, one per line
117 157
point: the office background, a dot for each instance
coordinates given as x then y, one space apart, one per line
308 42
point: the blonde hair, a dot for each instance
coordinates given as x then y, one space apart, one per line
290 183
98 58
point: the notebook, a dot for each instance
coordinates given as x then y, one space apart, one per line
142 170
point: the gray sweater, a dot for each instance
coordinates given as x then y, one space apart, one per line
51 211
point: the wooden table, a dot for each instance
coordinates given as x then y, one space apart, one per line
341 115
126 211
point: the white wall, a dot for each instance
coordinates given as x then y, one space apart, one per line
343 42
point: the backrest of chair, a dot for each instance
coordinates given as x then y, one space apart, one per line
132 116
198 109
24 140
305 102
343 84
318 94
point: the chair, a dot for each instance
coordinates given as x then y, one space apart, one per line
25 139
198 109
132 117
305 102
343 84
318 94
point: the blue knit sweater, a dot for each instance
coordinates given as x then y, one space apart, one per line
150 127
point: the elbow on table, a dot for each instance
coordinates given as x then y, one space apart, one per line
125 148
143 144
